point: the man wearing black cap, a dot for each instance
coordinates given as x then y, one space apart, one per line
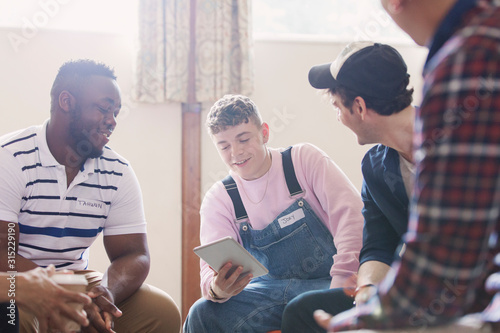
367 84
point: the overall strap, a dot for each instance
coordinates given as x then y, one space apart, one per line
232 190
291 182
290 177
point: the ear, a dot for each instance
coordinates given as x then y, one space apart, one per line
394 7
66 101
265 132
359 107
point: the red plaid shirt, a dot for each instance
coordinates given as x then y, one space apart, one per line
454 215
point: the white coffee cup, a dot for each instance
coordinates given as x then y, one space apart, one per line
73 282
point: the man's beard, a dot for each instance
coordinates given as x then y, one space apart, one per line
82 137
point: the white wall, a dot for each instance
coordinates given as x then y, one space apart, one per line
149 136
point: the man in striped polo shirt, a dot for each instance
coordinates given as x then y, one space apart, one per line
61 186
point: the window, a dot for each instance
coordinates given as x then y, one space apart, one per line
343 20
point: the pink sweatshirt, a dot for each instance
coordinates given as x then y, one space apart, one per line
327 189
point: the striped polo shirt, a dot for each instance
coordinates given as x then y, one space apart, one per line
58 223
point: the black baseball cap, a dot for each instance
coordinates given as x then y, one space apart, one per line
370 69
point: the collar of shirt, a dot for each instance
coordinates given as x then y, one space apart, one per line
448 26
46 157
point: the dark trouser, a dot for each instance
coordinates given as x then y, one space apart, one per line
298 314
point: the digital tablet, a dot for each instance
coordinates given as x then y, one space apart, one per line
219 252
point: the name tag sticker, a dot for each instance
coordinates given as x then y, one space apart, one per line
87 205
291 218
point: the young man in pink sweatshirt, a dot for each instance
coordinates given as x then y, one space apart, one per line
265 190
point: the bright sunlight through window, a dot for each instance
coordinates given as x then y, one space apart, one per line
340 20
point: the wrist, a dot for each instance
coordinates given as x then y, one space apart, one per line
364 292
359 288
212 293
20 280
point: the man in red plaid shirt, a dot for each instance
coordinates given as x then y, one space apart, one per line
452 237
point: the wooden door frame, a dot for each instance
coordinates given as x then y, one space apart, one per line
191 180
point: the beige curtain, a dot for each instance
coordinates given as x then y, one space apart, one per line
223 50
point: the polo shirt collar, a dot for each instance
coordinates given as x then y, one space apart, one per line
46 157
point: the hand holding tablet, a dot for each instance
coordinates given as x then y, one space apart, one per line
226 249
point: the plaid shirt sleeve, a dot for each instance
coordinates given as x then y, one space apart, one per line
456 200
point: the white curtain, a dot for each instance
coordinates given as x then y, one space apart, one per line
223 50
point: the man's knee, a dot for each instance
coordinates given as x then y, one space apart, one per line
197 318
167 310
293 309
199 308
149 309
304 303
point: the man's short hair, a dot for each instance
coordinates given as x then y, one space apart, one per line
72 75
380 106
232 110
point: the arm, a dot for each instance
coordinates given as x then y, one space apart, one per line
126 245
129 256
129 268
216 222
12 185
342 206
380 238
9 242
380 241
369 273
125 239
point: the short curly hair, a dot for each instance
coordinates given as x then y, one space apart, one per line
73 75
232 110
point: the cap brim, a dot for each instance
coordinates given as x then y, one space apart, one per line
320 77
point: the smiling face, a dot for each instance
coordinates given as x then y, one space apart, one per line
93 117
243 150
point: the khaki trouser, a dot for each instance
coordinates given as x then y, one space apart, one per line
149 309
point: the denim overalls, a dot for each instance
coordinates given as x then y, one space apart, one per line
296 248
